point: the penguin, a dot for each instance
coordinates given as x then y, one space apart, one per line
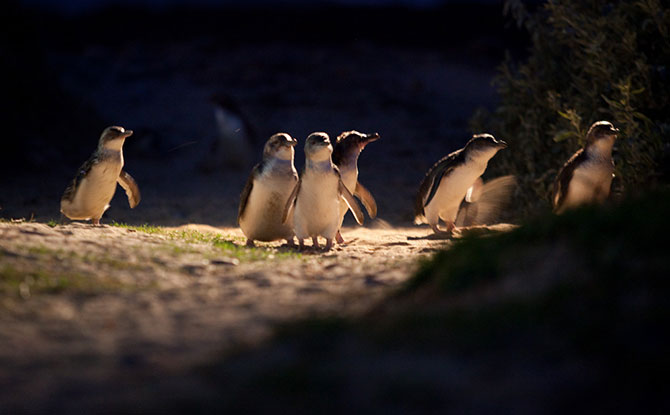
315 200
451 179
347 148
587 176
268 187
236 136
89 194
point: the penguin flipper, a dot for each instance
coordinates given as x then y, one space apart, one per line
434 176
366 198
563 178
440 172
130 186
348 198
81 173
290 203
244 197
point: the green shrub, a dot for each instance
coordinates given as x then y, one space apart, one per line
588 61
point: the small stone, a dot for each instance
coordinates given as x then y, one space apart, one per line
225 261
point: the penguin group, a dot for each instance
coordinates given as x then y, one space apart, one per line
278 204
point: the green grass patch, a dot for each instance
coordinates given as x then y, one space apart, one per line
26 283
224 244
146 228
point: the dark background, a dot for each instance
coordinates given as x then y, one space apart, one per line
412 71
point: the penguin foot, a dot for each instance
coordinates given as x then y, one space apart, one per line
338 237
329 244
301 244
290 243
250 243
315 242
96 222
438 231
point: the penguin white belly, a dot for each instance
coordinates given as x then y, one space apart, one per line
94 192
590 183
318 206
262 219
450 193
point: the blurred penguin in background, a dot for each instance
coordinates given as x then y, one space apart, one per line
233 147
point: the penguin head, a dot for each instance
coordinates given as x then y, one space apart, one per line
601 132
318 147
355 140
349 145
280 146
484 146
113 137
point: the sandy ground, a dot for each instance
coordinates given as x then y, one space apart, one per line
82 303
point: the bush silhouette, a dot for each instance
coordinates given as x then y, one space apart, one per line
588 61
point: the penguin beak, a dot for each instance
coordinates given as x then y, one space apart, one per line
371 137
614 130
127 133
502 144
291 143
367 139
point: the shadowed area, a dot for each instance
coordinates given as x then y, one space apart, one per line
413 75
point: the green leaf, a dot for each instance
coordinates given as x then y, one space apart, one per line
564 135
565 115
641 116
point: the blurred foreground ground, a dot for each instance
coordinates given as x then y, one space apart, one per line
85 309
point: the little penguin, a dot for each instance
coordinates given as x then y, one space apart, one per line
236 136
315 200
89 194
451 179
587 176
266 191
346 150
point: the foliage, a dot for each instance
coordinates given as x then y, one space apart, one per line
588 61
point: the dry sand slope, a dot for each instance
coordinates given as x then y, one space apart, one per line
171 295
80 303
